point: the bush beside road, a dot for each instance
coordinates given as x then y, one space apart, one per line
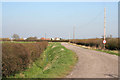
55 62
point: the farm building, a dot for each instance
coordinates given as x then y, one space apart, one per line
56 38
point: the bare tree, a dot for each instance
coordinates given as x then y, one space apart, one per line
31 38
110 36
15 36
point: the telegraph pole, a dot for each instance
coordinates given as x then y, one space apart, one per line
104 25
45 36
73 33
69 37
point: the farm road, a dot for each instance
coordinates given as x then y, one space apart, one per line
93 64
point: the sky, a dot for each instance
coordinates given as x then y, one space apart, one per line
57 19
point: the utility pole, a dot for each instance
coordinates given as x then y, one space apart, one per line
69 37
73 33
104 25
45 36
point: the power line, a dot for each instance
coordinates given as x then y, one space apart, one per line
93 19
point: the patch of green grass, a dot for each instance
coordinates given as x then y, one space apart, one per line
108 51
55 62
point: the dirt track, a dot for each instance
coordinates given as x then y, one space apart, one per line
93 64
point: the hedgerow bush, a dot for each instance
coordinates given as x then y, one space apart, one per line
112 43
16 57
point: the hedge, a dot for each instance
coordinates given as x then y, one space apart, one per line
112 43
17 57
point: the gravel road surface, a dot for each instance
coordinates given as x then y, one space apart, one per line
93 64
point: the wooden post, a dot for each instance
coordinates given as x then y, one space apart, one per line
104 25
73 34
69 38
45 36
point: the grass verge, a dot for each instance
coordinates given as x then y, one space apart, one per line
106 51
55 62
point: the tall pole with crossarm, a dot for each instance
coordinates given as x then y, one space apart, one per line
104 25
73 33
45 36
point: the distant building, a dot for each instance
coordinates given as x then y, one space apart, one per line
56 38
52 38
48 39
45 38
42 38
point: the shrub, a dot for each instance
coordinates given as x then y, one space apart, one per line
16 57
112 43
